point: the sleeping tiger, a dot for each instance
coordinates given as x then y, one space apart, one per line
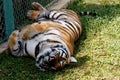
50 40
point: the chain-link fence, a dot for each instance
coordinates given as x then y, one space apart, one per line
18 12
20 9
2 27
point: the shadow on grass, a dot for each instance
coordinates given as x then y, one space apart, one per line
12 68
21 68
24 68
104 11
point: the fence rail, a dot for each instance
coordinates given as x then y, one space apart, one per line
2 28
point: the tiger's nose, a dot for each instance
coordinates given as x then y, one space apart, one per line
46 59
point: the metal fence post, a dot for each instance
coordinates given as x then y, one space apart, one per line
8 16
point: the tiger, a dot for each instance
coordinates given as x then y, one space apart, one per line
49 40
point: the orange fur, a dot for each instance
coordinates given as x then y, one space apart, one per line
70 12
34 28
33 14
11 41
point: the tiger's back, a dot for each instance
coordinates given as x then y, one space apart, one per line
67 18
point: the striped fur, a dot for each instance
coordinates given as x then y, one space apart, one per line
50 40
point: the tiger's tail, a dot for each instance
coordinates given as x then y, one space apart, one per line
87 13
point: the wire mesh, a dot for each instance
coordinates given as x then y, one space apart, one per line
20 9
2 27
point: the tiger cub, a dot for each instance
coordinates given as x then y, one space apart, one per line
50 40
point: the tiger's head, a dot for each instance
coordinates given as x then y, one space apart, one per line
15 44
54 58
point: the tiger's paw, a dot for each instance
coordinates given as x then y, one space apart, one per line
32 14
37 6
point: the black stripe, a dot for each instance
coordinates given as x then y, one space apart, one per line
61 54
38 17
47 14
36 35
37 49
54 15
60 15
66 31
51 41
42 66
14 50
26 49
60 46
20 47
78 27
39 34
62 19
43 16
39 59
71 25
87 13
64 51
51 34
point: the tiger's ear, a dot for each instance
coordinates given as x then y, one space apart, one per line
72 60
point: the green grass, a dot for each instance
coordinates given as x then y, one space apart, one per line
97 50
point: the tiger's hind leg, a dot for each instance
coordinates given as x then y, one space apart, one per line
37 10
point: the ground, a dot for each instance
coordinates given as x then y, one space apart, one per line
97 50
